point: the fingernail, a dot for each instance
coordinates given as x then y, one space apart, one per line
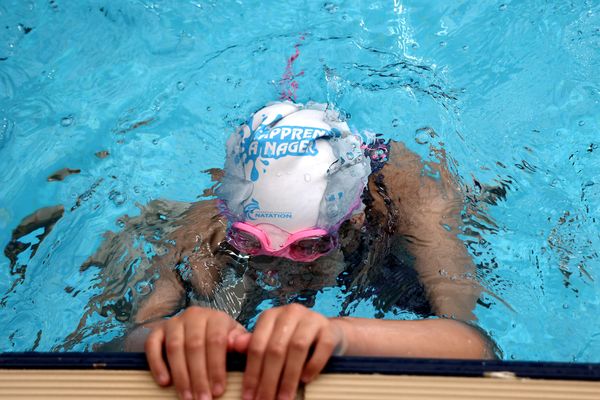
205 396
217 389
247 395
187 395
284 396
163 379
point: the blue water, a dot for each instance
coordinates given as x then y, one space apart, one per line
510 88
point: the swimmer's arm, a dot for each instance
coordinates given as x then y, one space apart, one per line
197 240
165 299
432 338
428 218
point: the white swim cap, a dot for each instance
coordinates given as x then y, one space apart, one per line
293 167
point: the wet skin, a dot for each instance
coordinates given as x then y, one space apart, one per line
411 207
417 211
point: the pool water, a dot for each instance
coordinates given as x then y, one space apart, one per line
139 96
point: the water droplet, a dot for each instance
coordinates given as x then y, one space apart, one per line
144 288
180 86
395 122
422 137
350 155
155 142
117 197
136 189
120 223
307 177
279 174
565 306
5 130
581 123
330 7
465 48
502 7
443 44
66 121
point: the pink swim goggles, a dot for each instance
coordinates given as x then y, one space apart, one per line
304 246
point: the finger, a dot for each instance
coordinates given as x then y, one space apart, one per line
233 335
256 350
174 344
299 347
154 354
324 348
242 342
276 354
216 352
195 348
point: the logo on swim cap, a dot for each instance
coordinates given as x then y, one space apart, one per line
250 208
252 211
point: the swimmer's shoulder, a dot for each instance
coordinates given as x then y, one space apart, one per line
401 170
407 172
412 189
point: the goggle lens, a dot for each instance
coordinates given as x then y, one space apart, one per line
313 246
245 241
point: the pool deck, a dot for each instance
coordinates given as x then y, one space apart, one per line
127 384
125 376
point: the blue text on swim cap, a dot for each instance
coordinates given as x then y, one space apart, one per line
284 141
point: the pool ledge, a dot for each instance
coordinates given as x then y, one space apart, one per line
125 375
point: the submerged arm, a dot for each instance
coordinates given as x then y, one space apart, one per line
196 239
429 203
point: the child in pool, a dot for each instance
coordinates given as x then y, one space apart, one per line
293 198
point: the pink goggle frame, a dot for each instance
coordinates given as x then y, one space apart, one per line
304 246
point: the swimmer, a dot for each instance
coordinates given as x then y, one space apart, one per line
300 198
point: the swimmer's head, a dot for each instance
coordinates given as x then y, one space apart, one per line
293 174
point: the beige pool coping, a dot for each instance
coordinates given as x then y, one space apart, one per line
127 384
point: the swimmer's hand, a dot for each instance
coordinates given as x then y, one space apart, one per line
278 351
196 344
